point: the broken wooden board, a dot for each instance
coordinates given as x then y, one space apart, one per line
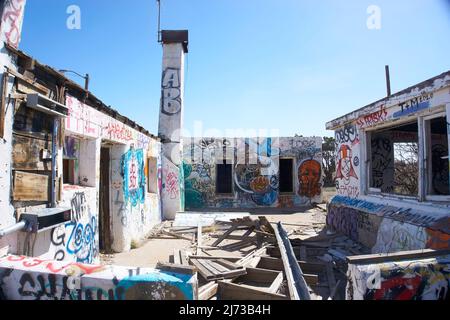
30 186
27 153
231 291
207 291
217 269
397 256
262 279
176 268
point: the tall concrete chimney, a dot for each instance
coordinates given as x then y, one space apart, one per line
175 46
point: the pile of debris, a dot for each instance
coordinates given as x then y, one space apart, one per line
249 259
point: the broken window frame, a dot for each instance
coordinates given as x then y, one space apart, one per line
422 196
368 160
428 156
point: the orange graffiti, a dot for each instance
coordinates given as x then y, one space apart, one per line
437 239
309 174
260 184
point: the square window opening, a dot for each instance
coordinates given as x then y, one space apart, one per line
224 179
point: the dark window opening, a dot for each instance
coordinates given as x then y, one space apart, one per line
286 178
69 171
438 161
224 179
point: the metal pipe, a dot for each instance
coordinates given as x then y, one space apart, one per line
388 81
54 139
14 228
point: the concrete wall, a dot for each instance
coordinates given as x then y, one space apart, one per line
23 278
10 31
255 171
423 279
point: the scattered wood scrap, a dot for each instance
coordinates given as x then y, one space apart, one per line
217 269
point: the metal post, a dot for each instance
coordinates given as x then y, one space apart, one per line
388 81
86 82
54 158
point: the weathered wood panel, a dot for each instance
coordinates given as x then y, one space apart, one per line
30 186
27 153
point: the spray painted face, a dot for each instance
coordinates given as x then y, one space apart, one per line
345 168
309 174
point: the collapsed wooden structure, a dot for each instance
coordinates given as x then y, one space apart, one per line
257 262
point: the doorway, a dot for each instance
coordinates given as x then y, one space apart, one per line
104 212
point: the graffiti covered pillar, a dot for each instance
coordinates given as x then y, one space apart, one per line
171 120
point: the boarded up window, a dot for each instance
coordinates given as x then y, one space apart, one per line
30 186
286 178
224 179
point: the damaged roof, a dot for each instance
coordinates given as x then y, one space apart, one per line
432 84
96 103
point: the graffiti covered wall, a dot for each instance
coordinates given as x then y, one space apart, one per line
133 209
426 279
389 228
11 15
23 278
255 172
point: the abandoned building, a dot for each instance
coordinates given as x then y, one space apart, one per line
225 173
393 191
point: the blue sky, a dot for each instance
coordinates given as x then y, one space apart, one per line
288 65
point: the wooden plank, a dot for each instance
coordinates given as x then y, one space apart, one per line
30 186
199 235
177 268
397 256
207 291
261 276
277 264
42 89
232 237
176 256
228 264
205 273
183 257
219 267
276 283
214 257
251 255
232 274
224 236
175 235
209 267
231 291
239 245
